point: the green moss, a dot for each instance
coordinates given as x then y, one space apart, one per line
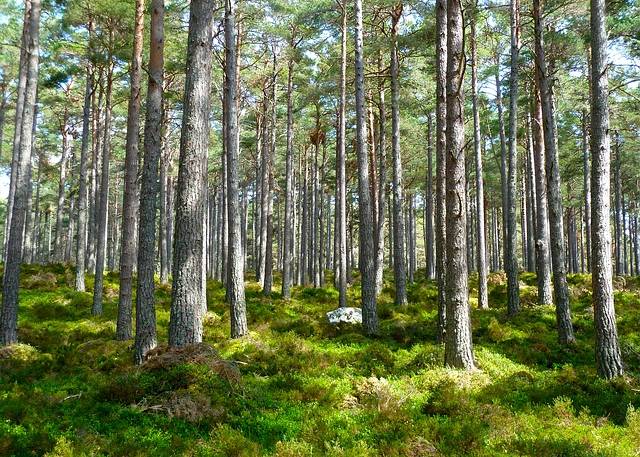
297 386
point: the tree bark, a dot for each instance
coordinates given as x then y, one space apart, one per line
608 358
102 206
511 258
145 302
11 276
367 260
235 267
399 266
483 298
19 113
341 179
441 157
428 210
556 229
543 259
130 195
458 345
185 324
81 240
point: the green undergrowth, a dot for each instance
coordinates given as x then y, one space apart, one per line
296 386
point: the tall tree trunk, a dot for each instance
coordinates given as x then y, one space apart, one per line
27 247
145 302
4 101
617 182
235 267
503 161
428 210
81 240
288 210
185 324
399 266
33 255
58 244
511 260
608 358
11 276
483 298
556 229
95 173
341 179
19 114
130 196
441 157
530 189
543 259
367 234
270 148
382 183
458 346
586 185
102 206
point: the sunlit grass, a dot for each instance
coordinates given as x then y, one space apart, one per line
310 389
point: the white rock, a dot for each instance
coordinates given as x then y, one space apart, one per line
345 316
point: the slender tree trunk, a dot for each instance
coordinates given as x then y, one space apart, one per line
28 225
235 267
586 186
145 302
530 199
543 259
58 245
399 266
458 346
556 229
382 183
608 358
102 207
130 196
511 260
428 210
367 260
288 210
11 276
4 101
81 240
617 182
341 179
185 324
483 298
19 114
441 157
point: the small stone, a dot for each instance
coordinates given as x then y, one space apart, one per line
345 316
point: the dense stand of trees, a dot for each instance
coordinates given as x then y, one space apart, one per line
238 176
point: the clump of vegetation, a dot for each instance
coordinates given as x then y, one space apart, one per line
295 387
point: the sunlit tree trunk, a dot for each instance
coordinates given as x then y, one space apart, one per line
130 195
556 225
483 299
441 157
235 267
145 301
102 206
81 239
185 324
399 266
608 358
511 258
367 259
11 276
458 344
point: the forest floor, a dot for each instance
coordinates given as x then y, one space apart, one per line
299 387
